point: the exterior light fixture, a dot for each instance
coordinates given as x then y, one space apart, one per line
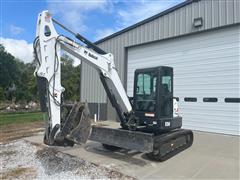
198 22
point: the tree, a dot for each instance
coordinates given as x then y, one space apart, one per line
15 73
8 70
2 96
70 78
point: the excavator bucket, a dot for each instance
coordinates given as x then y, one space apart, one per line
76 124
81 132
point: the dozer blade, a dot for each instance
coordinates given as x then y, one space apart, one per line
76 125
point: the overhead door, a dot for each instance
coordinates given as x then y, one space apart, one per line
206 76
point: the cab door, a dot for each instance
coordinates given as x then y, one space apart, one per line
165 98
145 94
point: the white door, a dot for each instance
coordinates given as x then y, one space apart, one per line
206 76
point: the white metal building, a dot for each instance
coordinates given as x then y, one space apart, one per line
201 40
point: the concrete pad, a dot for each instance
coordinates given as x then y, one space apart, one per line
211 156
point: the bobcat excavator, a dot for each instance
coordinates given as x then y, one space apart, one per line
149 122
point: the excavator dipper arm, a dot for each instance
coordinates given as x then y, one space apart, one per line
48 47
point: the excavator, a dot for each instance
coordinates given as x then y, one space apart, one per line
149 121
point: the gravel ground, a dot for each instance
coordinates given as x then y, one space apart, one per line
22 160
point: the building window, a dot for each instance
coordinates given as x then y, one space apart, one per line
190 99
232 100
210 99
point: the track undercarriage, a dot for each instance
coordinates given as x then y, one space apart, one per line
169 144
77 127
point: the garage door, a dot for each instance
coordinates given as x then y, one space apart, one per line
206 76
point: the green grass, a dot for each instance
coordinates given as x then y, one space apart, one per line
25 117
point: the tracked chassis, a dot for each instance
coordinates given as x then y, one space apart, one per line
159 147
78 128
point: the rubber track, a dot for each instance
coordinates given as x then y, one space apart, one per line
165 138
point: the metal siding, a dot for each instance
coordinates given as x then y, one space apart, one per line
171 24
166 26
156 30
222 13
208 9
145 32
141 35
177 22
99 109
130 37
161 28
183 20
215 13
87 84
230 11
189 18
202 14
205 65
136 36
236 11
208 14
195 10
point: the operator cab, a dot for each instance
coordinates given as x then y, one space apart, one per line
153 98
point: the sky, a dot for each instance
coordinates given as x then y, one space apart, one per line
94 19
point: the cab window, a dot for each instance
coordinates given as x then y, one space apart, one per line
167 83
146 91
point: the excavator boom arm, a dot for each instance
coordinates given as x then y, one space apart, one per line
48 46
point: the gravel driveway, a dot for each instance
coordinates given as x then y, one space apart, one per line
23 160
